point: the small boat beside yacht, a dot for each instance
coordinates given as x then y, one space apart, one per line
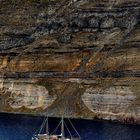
40 135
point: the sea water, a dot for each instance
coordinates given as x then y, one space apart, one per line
22 127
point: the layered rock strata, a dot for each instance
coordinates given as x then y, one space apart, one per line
76 58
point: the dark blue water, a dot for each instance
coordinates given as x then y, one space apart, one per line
19 127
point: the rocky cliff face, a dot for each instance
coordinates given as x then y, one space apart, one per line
77 58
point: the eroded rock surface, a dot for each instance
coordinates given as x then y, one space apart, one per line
77 58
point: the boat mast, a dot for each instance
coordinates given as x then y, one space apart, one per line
62 128
47 127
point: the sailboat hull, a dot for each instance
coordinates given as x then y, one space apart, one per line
44 137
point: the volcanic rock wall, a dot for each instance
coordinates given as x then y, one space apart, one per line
76 58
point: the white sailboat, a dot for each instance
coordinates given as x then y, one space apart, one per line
61 136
